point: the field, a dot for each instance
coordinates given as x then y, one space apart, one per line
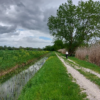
11 58
13 62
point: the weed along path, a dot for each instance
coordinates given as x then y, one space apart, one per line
92 90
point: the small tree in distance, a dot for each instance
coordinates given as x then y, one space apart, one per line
76 25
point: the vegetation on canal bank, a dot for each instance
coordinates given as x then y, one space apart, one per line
11 58
22 67
52 82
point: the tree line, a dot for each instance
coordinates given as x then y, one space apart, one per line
19 48
58 44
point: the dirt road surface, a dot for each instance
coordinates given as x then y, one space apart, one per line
91 89
86 69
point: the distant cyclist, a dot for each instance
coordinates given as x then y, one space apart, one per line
66 54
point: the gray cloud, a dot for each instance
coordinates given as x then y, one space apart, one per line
27 15
7 29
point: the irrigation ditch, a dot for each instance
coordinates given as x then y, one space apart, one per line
10 89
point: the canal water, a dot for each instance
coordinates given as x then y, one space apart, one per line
11 89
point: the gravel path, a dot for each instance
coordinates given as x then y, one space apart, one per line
85 69
90 88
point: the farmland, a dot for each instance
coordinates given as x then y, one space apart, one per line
13 62
11 58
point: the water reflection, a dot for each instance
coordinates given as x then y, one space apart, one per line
11 89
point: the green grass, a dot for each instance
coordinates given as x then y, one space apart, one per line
52 82
10 58
86 64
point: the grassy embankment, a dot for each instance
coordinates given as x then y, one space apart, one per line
85 64
52 82
7 56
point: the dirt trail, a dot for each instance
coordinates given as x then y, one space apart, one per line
90 88
85 69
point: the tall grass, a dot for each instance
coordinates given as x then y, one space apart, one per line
82 53
91 54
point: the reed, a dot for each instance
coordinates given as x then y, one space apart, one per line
91 54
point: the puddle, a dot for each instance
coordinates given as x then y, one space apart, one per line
11 89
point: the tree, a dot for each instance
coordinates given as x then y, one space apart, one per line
58 44
5 47
49 48
76 24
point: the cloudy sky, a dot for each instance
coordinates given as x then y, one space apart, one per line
24 22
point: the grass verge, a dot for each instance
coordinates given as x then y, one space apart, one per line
86 64
91 77
52 82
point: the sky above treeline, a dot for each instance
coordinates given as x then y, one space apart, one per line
24 22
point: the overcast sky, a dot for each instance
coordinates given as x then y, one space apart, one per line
24 22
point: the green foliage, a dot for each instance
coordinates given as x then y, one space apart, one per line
15 48
49 48
52 82
10 58
58 44
76 24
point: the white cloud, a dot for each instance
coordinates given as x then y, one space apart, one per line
26 38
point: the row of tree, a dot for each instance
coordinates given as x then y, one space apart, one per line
15 48
58 44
